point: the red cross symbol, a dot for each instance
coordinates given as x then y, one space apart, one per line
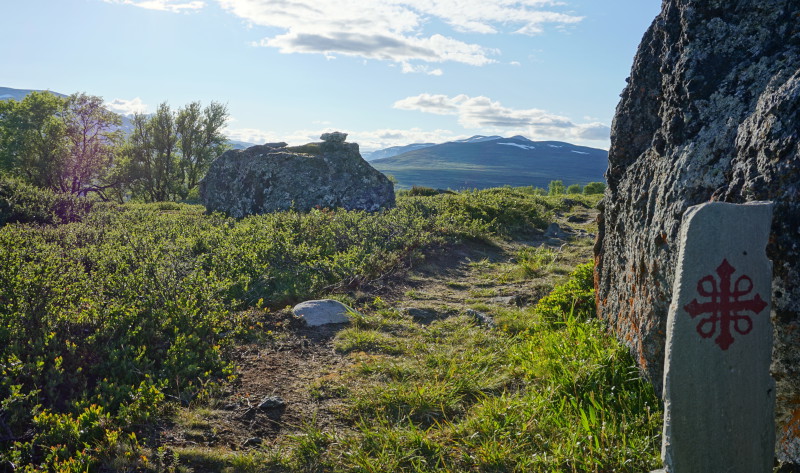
725 306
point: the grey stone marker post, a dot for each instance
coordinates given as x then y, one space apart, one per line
718 394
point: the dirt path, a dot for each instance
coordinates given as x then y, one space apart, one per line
277 390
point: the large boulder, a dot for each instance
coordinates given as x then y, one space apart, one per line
272 177
711 112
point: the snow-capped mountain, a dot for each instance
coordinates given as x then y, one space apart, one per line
490 161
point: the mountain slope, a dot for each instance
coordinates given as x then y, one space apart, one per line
482 162
19 94
394 151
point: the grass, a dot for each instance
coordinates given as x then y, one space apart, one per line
547 391
178 292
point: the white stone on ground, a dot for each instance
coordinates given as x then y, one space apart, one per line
322 312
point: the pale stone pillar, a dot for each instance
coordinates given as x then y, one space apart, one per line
718 393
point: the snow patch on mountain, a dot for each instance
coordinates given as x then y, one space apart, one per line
478 139
518 145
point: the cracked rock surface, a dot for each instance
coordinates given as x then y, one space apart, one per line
711 112
271 177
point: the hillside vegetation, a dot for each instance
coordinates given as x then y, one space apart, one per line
120 322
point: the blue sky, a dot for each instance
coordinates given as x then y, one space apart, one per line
388 72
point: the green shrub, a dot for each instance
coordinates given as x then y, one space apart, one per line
24 203
556 188
131 305
575 297
574 189
594 188
422 191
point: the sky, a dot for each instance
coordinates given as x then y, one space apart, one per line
387 72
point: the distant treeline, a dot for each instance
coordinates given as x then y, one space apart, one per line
74 145
554 188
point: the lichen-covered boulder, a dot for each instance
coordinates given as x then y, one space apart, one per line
711 112
272 177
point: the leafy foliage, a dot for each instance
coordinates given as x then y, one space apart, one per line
594 188
422 191
556 188
574 189
574 298
63 144
24 203
32 133
168 153
138 305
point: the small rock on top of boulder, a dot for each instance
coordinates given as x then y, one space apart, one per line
273 177
334 137
322 312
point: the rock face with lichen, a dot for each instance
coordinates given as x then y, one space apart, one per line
711 112
272 177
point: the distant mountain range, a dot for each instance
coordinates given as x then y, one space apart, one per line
491 161
19 94
394 151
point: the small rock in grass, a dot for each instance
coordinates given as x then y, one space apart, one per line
252 442
506 300
553 231
421 315
481 318
322 312
271 402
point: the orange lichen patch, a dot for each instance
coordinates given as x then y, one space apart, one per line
642 359
792 428
596 280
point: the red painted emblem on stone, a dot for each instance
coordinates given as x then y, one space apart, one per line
725 306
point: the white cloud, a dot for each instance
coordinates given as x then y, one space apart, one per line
492 117
257 136
381 46
593 131
394 30
174 6
127 107
387 137
389 30
422 69
428 103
